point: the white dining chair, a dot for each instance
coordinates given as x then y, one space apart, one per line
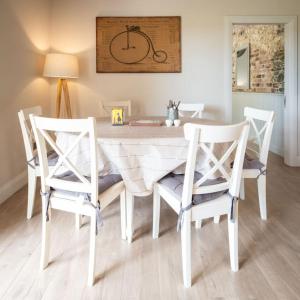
194 196
195 109
255 164
72 191
256 158
33 166
126 105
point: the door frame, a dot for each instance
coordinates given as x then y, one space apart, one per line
291 112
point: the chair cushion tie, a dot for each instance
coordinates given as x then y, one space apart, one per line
234 200
47 196
181 215
262 171
99 220
31 160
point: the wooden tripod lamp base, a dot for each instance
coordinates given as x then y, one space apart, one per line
61 66
62 86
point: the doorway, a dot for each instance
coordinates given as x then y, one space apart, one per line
258 74
287 110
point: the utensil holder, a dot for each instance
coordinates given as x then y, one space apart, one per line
172 114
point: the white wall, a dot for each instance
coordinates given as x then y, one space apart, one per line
202 78
24 37
273 102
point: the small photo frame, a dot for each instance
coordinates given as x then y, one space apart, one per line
117 116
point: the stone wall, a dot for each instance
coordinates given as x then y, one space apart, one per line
266 57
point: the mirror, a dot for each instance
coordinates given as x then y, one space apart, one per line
242 67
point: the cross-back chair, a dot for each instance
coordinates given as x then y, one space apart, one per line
256 158
195 109
72 191
33 166
255 164
194 196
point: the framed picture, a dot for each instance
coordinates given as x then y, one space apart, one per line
117 116
138 44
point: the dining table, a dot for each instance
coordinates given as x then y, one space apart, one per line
142 155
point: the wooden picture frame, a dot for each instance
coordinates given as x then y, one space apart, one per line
138 44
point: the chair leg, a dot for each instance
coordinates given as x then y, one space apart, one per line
78 221
31 191
129 215
242 189
216 219
92 255
156 212
186 249
233 241
45 235
198 224
123 214
261 185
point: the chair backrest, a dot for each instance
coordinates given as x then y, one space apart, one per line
119 104
262 134
27 133
233 138
82 128
196 109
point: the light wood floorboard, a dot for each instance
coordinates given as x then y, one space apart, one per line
269 252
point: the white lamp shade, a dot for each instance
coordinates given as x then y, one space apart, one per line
61 66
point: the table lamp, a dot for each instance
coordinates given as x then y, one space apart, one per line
61 66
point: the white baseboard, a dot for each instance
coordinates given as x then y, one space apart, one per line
12 186
275 149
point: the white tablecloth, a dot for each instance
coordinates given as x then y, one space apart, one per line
142 155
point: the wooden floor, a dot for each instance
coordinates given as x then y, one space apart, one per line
269 252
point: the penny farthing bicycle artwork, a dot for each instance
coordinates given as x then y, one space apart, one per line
133 46
138 44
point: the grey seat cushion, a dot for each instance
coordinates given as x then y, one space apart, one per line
104 183
251 163
175 183
52 159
